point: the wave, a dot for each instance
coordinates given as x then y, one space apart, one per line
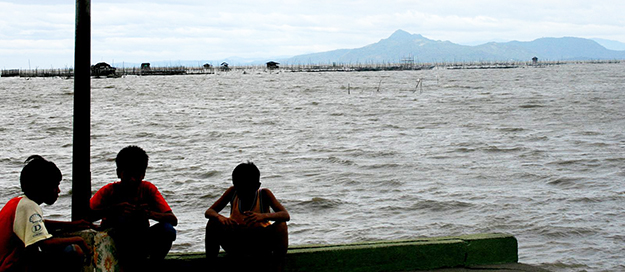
337 160
564 181
511 129
495 149
464 150
565 265
569 162
441 206
209 174
317 203
531 106
455 86
329 159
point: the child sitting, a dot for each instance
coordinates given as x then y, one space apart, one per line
126 208
26 242
247 231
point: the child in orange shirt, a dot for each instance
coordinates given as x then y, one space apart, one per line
248 230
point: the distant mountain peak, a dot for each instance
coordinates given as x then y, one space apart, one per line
403 35
400 33
401 44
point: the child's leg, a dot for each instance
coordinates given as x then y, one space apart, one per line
214 230
279 244
131 246
281 236
162 236
57 258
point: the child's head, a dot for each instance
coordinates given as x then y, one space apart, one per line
40 180
131 161
246 177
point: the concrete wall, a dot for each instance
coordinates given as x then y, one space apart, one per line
400 255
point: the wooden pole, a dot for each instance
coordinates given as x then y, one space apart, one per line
81 172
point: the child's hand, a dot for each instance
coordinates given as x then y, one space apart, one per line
226 221
83 224
84 247
143 210
252 218
124 208
141 214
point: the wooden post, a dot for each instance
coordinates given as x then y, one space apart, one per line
81 172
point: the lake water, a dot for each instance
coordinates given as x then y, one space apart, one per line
538 153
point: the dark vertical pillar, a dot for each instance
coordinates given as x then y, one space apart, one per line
81 162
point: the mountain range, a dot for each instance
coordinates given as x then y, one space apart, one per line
402 45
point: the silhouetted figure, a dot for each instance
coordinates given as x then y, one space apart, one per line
27 241
248 232
126 206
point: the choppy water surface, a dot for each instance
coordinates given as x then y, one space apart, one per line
538 153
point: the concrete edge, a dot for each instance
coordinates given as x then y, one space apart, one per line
395 255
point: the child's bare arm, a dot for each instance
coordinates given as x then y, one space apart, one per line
168 217
118 209
68 226
65 241
220 204
280 213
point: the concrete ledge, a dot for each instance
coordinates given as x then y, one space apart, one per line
400 255
385 256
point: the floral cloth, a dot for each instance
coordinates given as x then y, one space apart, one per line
103 259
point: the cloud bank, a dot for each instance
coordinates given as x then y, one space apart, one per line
41 33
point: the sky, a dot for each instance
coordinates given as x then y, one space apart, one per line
40 33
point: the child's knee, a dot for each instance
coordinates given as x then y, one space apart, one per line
69 256
164 230
281 227
213 226
169 231
74 251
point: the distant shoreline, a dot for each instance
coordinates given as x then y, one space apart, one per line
182 70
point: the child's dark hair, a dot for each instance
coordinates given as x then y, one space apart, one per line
39 173
245 174
132 157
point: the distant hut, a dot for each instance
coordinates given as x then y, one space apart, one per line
272 65
145 66
102 69
534 60
224 66
207 66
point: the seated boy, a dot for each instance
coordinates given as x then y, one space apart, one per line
247 231
25 241
126 208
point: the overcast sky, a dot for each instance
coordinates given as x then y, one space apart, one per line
40 33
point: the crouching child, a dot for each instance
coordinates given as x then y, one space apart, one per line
126 208
28 242
248 231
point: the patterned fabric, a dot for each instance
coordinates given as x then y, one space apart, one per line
104 252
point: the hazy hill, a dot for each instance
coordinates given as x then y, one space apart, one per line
401 45
610 44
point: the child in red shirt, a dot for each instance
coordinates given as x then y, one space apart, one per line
26 242
126 207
